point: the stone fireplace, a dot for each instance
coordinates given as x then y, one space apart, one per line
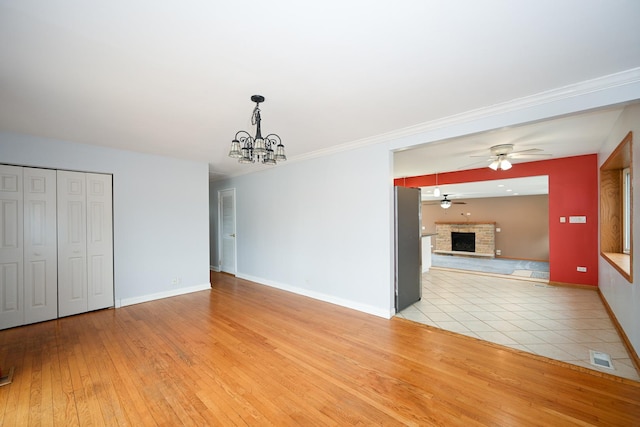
466 238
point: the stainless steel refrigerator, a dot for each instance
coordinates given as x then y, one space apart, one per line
408 247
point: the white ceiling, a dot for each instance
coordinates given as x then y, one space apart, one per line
175 78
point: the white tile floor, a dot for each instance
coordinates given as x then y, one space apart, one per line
561 323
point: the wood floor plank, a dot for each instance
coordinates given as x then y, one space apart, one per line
35 389
117 365
246 354
18 406
46 415
64 409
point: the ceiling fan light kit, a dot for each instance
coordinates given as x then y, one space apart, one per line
501 163
500 155
247 149
445 203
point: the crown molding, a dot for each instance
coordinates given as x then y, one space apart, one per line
608 82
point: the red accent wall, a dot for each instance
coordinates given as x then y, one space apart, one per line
573 191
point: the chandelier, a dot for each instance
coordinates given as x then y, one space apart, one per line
247 149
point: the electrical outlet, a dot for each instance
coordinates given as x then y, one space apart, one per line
175 281
582 269
498 252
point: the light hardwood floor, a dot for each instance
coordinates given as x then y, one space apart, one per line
245 354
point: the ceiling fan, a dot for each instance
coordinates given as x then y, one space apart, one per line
500 155
446 203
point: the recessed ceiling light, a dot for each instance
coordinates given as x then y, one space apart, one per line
500 185
508 190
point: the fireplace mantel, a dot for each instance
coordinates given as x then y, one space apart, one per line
485 237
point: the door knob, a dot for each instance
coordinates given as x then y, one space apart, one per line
233 235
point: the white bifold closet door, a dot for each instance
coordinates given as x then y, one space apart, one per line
40 249
99 241
11 247
85 243
28 263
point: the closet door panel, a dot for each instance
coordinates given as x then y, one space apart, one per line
72 246
99 241
11 247
40 254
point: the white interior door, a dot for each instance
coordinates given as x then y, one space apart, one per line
40 247
72 243
11 247
227 215
99 241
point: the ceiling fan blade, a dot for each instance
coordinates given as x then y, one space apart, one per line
530 150
477 163
445 199
519 155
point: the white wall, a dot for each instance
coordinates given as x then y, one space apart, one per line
624 297
161 222
319 228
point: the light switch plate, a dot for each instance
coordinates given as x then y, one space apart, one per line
577 219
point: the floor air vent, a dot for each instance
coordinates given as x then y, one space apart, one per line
602 360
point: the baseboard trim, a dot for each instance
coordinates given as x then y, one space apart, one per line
623 335
160 295
214 268
574 285
387 314
521 259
